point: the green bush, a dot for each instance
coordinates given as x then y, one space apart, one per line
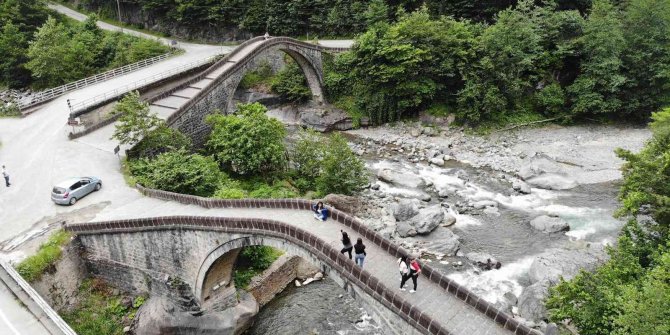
32 268
290 83
179 172
253 260
136 121
230 193
9 110
160 140
248 142
262 75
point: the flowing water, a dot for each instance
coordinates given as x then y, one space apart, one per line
321 307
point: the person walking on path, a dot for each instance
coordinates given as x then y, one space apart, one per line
359 248
403 268
5 174
414 270
346 242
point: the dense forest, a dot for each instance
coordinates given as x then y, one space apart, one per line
42 49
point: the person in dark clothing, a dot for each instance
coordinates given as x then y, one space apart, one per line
414 270
359 248
320 212
346 242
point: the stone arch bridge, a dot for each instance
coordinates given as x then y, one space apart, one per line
146 254
185 107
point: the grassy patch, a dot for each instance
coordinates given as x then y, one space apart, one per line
32 268
9 110
253 261
99 311
256 188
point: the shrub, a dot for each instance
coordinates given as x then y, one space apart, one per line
341 171
158 141
248 142
291 84
178 172
32 268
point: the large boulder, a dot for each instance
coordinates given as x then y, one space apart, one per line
553 264
521 187
531 302
551 181
404 210
324 119
447 243
428 219
344 203
448 220
549 224
401 179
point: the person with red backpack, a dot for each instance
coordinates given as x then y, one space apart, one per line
414 270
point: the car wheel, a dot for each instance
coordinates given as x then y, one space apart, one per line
73 201
98 186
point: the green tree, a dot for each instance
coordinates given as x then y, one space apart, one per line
136 121
306 159
50 59
179 172
597 88
341 171
247 142
13 47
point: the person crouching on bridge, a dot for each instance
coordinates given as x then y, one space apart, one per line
346 242
359 248
414 270
320 212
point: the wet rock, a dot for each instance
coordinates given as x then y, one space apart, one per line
479 257
375 186
550 181
521 187
549 224
404 210
448 220
553 264
344 203
401 179
428 219
493 211
447 243
531 302
438 161
484 203
505 304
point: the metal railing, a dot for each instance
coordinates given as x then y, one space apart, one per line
52 93
81 105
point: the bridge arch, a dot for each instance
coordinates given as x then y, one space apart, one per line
217 85
226 254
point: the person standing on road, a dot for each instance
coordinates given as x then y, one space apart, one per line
5 174
359 248
403 268
414 270
346 242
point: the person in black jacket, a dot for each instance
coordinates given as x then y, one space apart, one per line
346 242
359 248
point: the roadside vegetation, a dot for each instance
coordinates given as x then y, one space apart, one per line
245 156
32 268
251 262
629 294
43 49
100 311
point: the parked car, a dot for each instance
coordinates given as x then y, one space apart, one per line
69 191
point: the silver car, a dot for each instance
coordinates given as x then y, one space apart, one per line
69 191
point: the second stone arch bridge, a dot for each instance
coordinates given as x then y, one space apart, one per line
186 106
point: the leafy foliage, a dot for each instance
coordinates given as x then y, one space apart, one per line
247 142
158 141
290 83
136 121
178 171
252 261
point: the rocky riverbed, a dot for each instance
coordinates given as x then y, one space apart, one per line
506 214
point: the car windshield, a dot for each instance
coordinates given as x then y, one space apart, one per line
58 190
